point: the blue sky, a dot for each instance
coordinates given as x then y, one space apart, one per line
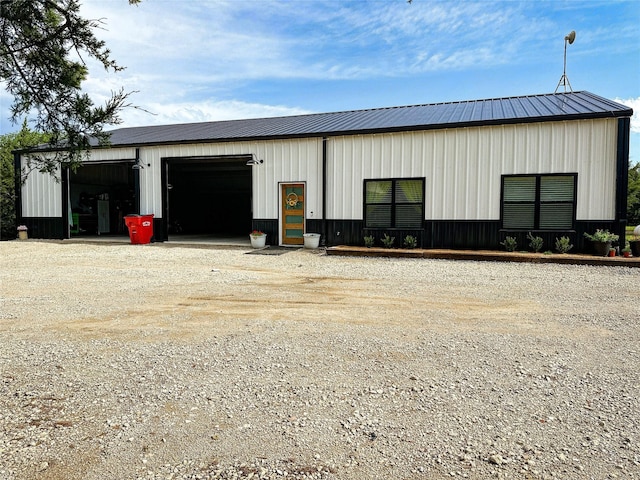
202 60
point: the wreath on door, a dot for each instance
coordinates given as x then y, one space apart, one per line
292 200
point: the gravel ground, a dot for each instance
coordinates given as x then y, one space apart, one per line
150 362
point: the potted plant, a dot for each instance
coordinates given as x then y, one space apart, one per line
258 239
22 232
602 240
311 240
626 251
634 242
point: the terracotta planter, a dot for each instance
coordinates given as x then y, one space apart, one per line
626 254
612 252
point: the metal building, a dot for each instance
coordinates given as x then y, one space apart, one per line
454 175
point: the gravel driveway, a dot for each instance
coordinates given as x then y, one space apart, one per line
151 362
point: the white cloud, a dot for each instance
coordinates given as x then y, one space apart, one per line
229 41
635 104
219 59
208 111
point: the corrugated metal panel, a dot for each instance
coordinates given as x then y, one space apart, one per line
533 108
463 166
41 195
111 154
298 160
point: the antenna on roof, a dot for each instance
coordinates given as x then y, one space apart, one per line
564 80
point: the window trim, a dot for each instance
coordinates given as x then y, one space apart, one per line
394 181
538 202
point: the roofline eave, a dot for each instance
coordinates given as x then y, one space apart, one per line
365 131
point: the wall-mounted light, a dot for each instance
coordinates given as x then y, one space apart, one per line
137 165
254 160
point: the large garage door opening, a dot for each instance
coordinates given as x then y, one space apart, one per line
209 196
99 197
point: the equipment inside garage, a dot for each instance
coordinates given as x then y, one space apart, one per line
99 197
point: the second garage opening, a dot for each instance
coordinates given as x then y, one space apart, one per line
208 196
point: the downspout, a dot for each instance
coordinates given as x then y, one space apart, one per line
622 176
324 189
136 180
17 174
64 180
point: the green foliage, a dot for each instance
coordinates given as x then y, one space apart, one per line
369 241
563 244
633 197
410 241
44 44
387 241
510 244
601 236
535 242
13 141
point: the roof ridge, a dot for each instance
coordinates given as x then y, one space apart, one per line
362 110
426 116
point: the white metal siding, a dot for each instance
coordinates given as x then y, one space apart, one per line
111 154
463 166
297 160
41 195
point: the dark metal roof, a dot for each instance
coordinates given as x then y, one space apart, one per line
527 109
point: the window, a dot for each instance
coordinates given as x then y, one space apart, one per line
538 202
395 203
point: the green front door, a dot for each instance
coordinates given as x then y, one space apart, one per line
292 213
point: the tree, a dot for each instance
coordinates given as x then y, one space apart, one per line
25 138
44 44
633 198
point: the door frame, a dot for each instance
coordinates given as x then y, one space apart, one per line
281 186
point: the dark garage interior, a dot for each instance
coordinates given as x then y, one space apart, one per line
209 197
99 197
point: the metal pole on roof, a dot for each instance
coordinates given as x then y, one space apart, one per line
564 80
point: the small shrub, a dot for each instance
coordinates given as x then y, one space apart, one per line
369 241
387 241
510 244
410 241
535 242
563 244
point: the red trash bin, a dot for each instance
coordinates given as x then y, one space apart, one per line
140 228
